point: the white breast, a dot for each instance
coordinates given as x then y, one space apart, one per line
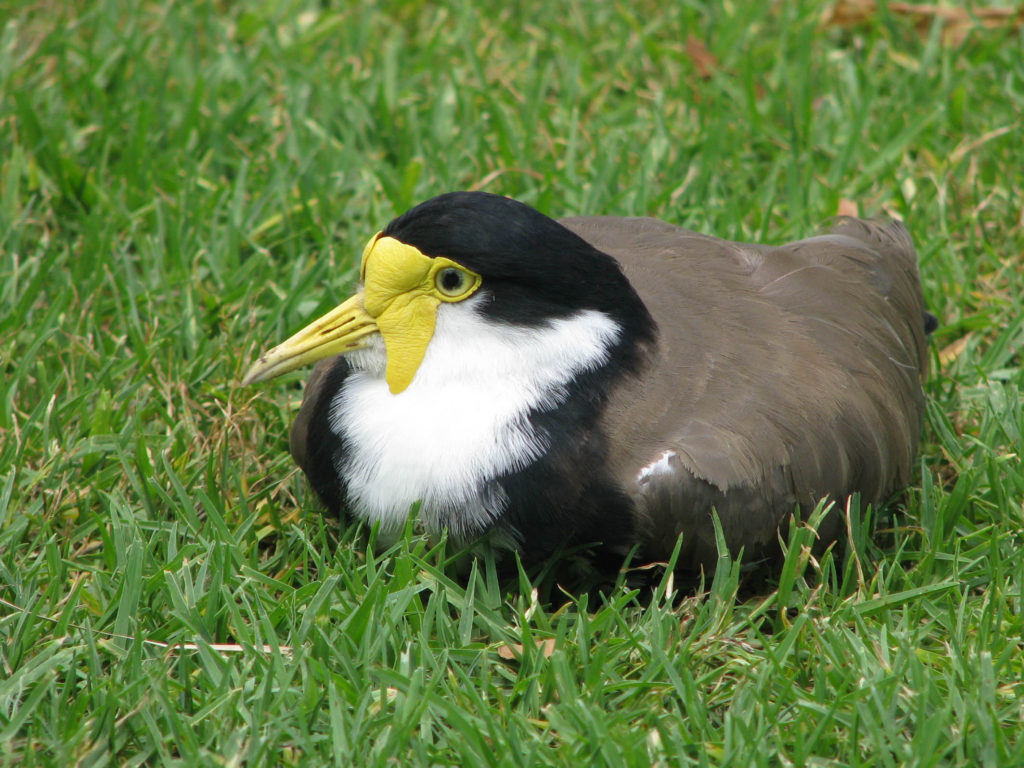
464 419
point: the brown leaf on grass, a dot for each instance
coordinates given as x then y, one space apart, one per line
704 61
515 650
849 13
951 352
956 21
847 208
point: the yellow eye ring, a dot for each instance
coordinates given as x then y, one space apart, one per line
452 282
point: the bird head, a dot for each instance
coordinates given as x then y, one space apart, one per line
523 268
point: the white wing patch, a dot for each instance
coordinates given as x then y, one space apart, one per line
464 419
661 466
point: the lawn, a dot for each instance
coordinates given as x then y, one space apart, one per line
181 184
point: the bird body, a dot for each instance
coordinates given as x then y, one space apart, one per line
608 380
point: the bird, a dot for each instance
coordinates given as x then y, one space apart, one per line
610 382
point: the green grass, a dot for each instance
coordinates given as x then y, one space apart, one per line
182 183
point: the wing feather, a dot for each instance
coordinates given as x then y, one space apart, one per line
782 375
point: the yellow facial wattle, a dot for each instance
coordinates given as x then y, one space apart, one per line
402 289
401 292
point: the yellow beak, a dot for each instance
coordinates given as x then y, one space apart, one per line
344 329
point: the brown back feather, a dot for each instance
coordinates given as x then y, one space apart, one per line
782 375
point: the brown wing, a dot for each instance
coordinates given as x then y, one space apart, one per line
782 375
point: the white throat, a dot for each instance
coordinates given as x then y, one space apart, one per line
464 419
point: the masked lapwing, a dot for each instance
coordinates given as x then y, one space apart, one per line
610 381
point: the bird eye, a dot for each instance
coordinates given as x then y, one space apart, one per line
451 282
